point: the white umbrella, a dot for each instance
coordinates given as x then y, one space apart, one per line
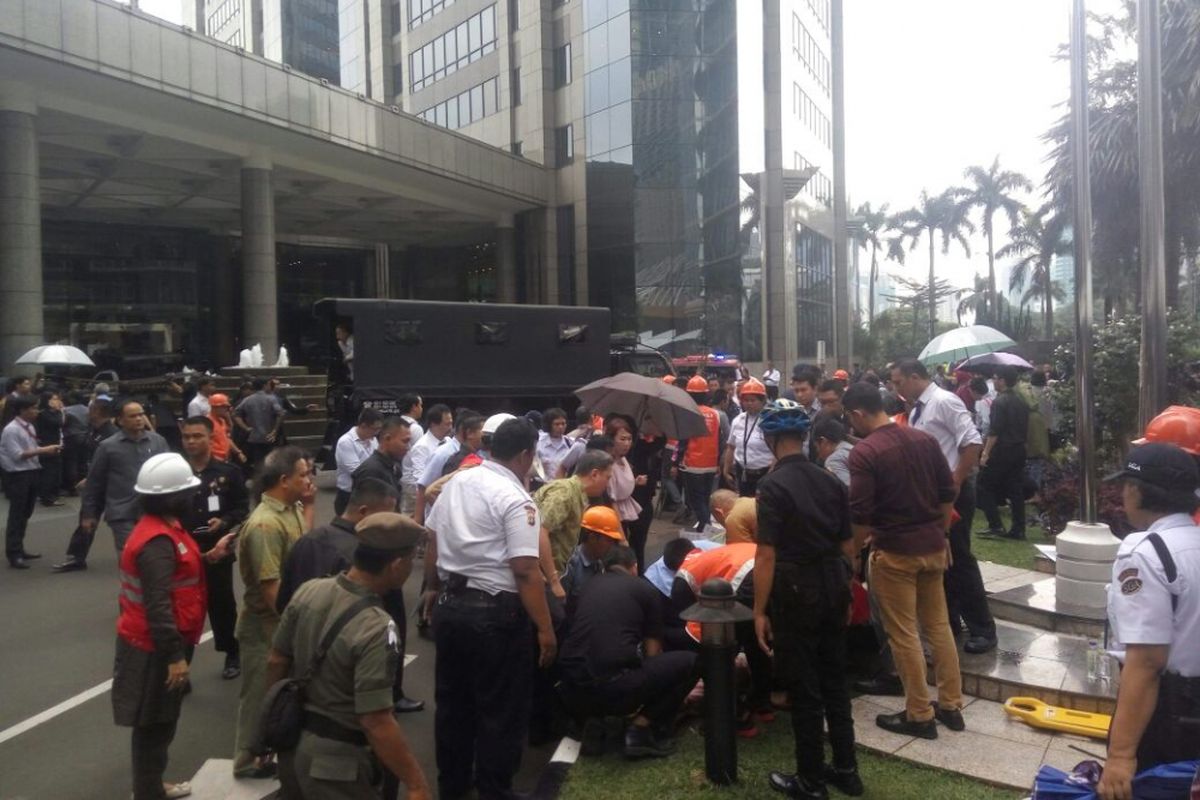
962 343
58 355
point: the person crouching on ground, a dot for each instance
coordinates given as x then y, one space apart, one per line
163 605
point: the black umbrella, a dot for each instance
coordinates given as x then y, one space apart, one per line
655 407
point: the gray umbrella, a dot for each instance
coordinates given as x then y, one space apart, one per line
656 408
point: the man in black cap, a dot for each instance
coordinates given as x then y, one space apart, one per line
349 725
1155 620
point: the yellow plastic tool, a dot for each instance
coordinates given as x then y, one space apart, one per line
1034 712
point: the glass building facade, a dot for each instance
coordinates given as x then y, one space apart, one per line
660 104
304 34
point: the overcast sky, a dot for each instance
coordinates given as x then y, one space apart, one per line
933 86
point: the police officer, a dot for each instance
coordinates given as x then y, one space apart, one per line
1155 621
802 571
349 724
483 560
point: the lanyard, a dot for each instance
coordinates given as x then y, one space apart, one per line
747 432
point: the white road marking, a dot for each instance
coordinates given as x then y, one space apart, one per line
567 751
65 706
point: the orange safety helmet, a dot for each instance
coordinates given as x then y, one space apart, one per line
841 375
697 384
752 386
604 521
217 400
1177 425
668 379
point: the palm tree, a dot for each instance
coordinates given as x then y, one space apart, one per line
874 224
990 190
933 215
1036 240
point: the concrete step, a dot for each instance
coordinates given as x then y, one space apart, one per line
312 444
215 781
1036 604
1032 662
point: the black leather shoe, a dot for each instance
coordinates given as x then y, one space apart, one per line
69 565
951 718
641 743
30 556
845 781
901 724
795 786
18 563
885 685
406 705
233 668
993 533
979 644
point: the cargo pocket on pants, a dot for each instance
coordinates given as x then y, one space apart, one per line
334 768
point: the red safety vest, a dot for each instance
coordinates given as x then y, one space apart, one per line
732 562
189 599
703 452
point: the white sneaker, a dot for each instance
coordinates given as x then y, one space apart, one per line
175 790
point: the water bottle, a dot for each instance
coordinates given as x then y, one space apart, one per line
1093 660
1103 664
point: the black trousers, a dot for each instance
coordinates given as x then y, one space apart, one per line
75 463
51 483
483 680
697 489
658 687
21 488
1174 730
1003 480
222 605
150 744
747 480
966 598
808 618
340 501
255 453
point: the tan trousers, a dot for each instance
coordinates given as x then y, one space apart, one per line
911 597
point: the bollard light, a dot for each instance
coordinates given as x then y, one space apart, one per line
717 612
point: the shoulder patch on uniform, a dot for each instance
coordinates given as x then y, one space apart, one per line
182 548
393 635
1126 574
531 514
1131 586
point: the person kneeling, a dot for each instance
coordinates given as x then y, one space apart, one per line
613 661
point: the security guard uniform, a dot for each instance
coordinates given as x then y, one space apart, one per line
1154 599
333 760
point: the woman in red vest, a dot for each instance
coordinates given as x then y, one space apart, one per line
163 605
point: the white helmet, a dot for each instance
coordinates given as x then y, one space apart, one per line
494 422
165 473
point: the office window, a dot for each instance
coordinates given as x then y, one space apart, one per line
453 50
820 9
564 145
562 66
811 115
514 83
808 52
423 10
463 109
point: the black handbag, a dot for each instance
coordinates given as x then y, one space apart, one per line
281 719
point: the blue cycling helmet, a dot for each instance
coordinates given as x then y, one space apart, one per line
784 416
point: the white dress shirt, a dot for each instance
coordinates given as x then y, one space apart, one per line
437 462
551 451
943 416
199 406
18 437
418 456
750 449
350 452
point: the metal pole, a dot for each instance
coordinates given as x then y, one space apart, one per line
1082 183
1152 396
843 337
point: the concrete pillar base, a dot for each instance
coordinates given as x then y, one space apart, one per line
260 292
1086 552
21 296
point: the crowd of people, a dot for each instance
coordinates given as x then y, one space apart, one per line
532 532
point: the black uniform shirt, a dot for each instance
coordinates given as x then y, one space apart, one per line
381 466
320 553
616 612
1009 420
803 511
227 484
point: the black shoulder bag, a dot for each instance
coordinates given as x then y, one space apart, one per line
282 716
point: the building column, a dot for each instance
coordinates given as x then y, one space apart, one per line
260 292
506 260
21 298
775 226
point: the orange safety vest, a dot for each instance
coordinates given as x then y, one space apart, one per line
704 452
732 562
189 599
220 439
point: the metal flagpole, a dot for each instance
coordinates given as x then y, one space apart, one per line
1081 181
1152 395
843 335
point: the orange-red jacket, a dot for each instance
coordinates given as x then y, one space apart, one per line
189 599
732 562
704 452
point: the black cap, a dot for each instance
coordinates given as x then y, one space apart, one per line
1163 465
388 532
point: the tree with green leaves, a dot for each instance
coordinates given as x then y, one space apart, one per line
1035 241
875 223
992 189
933 215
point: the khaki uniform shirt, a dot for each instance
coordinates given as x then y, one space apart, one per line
562 504
267 537
741 524
360 668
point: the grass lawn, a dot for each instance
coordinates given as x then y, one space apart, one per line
1006 551
682 774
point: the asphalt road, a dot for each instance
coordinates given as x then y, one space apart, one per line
57 638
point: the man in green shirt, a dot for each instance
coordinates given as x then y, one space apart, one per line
562 503
282 516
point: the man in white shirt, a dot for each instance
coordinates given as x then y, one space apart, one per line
483 560
411 409
747 456
200 406
770 379
943 416
439 421
19 452
468 438
354 447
